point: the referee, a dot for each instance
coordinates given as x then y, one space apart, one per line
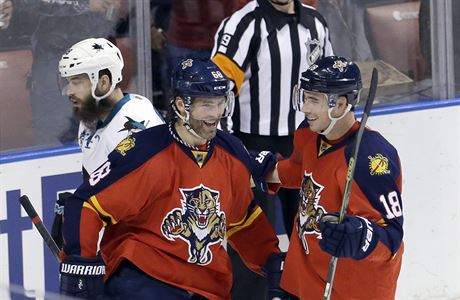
262 47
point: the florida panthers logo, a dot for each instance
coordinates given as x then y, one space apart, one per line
309 211
199 222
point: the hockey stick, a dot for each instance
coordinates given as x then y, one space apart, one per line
350 174
30 210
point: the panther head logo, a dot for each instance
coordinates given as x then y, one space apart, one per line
199 223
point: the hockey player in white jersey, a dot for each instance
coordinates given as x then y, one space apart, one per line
91 73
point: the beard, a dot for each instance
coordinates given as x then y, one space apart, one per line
207 132
90 110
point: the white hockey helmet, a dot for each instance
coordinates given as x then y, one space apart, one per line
89 57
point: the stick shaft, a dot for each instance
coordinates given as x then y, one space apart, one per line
49 241
350 174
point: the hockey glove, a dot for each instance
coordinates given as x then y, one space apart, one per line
355 237
274 269
261 164
82 277
56 229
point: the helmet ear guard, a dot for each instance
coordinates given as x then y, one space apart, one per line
91 56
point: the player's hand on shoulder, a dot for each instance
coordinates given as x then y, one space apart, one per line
82 277
356 237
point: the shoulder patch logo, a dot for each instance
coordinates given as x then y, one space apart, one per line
378 164
314 51
125 145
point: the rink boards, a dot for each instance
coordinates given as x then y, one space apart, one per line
428 141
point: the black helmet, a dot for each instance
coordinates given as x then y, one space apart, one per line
201 78
332 75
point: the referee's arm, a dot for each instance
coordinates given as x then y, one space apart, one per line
230 69
231 44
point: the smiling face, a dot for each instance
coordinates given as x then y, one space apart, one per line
205 114
333 122
315 108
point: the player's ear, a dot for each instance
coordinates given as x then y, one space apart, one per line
180 105
341 103
104 83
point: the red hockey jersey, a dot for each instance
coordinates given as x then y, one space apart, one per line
168 209
319 168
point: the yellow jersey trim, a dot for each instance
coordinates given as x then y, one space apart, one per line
246 222
100 210
89 206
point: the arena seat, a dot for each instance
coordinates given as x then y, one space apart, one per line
394 35
16 129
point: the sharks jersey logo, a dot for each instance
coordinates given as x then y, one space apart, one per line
199 222
132 125
309 211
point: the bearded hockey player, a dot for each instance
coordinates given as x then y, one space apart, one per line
91 73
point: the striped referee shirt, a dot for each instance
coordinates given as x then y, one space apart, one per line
264 51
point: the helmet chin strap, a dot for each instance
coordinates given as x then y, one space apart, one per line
334 120
186 122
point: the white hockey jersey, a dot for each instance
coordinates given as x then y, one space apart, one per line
132 113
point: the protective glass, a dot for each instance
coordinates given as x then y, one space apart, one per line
63 84
76 83
297 98
300 96
211 108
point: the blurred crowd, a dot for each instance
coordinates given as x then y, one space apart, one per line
35 33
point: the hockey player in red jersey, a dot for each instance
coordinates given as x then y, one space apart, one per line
169 197
369 240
